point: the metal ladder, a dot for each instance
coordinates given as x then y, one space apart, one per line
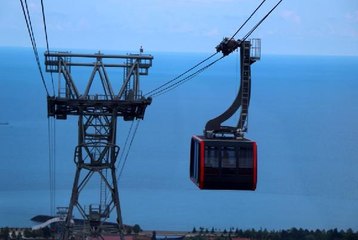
245 86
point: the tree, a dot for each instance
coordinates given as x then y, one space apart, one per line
129 230
309 237
19 236
350 234
4 233
46 232
136 229
154 235
27 233
13 234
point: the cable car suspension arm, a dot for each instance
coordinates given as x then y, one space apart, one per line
247 57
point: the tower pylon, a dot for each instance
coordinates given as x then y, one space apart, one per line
96 153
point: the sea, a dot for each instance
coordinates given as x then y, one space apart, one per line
303 115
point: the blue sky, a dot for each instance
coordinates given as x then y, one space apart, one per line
315 27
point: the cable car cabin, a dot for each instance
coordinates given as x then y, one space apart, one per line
223 164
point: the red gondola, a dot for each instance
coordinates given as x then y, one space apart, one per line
223 159
223 164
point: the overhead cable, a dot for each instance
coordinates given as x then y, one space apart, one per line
123 150
51 122
33 41
129 148
52 163
51 132
177 81
182 81
248 19
158 89
259 23
46 36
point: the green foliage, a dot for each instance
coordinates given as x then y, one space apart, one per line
133 229
4 233
136 229
129 230
19 236
27 233
290 234
13 235
46 232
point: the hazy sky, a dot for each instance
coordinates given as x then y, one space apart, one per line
325 27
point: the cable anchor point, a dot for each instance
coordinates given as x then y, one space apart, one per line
227 46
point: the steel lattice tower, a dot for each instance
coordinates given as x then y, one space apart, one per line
97 111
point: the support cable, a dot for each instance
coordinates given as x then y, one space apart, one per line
33 41
182 81
44 23
124 149
261 21
52 163
51 122
158 89
175 82
47 45
125 144
51 131
248 19
129 148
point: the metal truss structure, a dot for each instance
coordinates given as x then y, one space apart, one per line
98 109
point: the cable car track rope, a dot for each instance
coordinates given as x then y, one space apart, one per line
248 19
27 17
261 21
182 81
177 81
51 125
158 89
124 149
46 37
129 147
51 132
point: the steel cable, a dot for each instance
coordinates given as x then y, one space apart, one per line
33 41
248 19
51 122
261 21
158 89
174 83
51 131
128 150
125 144
47 44
182 81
